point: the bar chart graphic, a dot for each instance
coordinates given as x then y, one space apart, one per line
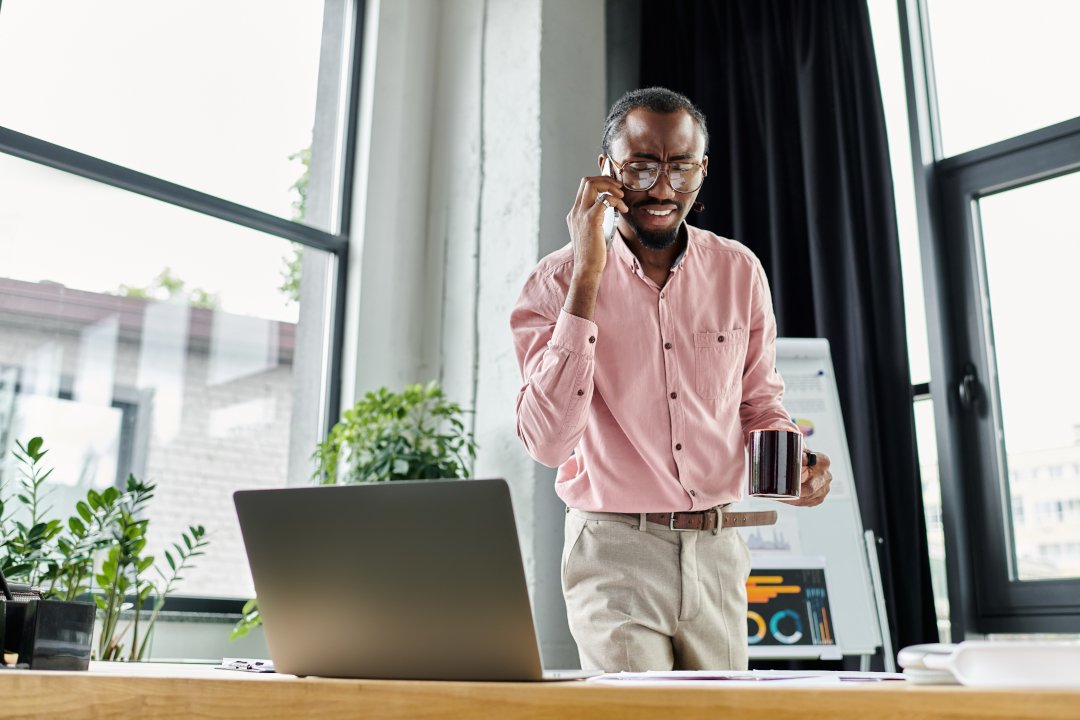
788 606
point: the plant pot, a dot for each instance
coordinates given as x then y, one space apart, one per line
49 634
12 614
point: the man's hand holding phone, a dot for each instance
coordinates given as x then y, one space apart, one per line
586 221
596 195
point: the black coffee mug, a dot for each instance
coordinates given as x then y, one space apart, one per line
775 463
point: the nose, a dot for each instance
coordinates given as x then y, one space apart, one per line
661 189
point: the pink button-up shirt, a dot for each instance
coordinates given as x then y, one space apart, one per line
647 408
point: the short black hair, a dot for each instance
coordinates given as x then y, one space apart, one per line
653 99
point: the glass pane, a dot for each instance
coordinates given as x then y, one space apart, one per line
137 336
886 29
926 439
217 96
1031 238
1003 68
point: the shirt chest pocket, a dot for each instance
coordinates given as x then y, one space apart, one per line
718 361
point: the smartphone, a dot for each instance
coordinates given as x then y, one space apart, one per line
611 215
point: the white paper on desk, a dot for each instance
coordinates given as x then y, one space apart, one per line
746 678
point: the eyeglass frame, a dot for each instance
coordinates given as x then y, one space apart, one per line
663 168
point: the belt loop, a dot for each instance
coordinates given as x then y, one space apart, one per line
642 524
719 519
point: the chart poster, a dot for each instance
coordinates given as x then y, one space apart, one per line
788 606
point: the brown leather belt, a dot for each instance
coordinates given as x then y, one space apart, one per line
708 519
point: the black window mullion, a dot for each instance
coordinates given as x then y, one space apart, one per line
55 156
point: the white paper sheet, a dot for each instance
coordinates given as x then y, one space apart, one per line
735 678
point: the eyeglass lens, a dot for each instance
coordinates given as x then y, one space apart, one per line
684 177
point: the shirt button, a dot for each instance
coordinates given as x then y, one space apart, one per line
693 493
678 446
720 339
592 338
580 393
667 346
661 296
674 395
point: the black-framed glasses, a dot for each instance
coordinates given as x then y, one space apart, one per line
685 176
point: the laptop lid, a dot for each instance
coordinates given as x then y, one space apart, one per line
408 579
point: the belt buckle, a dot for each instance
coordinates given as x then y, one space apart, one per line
671 525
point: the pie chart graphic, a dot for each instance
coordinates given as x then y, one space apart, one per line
792 626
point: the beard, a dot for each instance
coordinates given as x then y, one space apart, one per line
655 239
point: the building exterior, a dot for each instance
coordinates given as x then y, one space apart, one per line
195 400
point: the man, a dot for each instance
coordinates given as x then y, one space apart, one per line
645 364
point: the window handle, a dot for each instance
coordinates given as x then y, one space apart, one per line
969 387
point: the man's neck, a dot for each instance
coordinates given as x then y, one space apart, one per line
656 264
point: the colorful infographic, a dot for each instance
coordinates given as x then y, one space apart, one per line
788 606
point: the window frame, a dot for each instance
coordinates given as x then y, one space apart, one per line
344 62
973 471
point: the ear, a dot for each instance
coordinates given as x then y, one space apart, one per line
600 162
705 164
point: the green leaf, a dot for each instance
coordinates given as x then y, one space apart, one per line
145 563
169 559
93 498
76 526
100 602
84 511
33 449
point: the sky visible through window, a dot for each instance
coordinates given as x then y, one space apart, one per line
213 95
964 33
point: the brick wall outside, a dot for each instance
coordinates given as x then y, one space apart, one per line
223 436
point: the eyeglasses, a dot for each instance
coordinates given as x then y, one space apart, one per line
684 176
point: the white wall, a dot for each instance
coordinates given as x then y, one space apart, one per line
479 118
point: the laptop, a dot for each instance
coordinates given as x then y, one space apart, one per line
395 580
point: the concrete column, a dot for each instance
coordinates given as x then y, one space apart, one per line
480 118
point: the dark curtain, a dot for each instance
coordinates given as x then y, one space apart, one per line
799 172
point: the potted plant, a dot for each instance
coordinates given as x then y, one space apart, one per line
416 434
98 551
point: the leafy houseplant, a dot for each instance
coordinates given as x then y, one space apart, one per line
417 434
107 526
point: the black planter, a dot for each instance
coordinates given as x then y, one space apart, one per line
49 634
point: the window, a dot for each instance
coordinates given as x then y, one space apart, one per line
219 97
995 194
173 236
1002 68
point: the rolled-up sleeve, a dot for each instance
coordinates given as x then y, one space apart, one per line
763 387
555 351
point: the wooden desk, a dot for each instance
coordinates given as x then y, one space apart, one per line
178 691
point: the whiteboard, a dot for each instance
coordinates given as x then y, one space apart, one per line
832 530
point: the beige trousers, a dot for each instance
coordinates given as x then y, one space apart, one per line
640 596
